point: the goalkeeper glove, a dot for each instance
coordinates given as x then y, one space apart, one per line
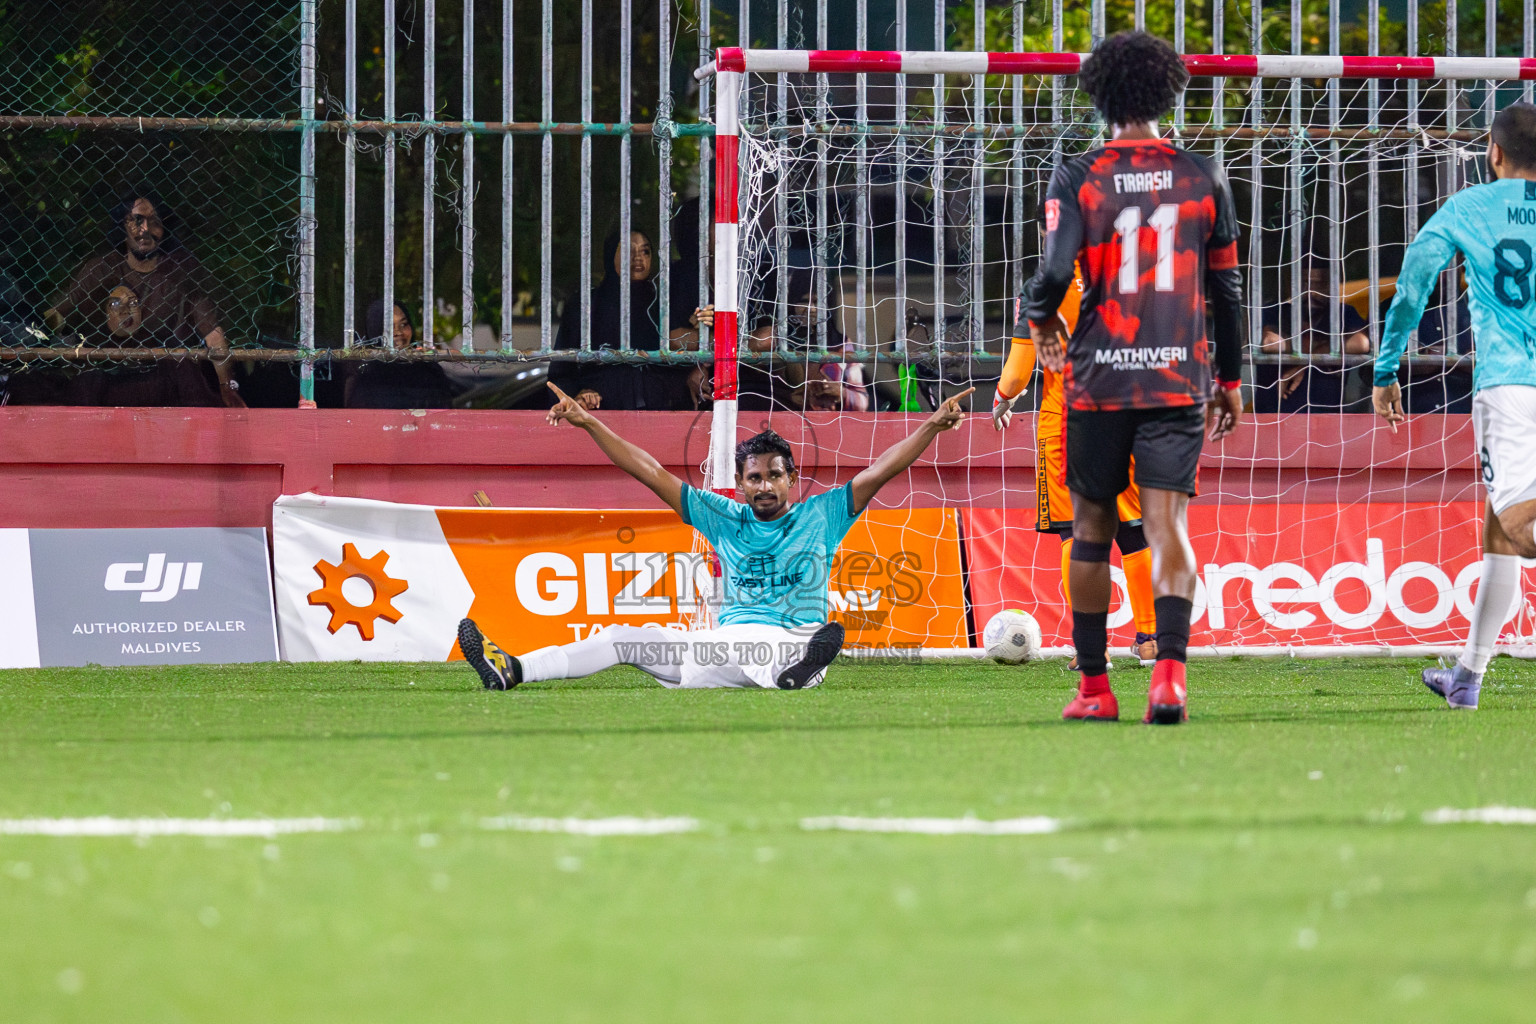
1002 409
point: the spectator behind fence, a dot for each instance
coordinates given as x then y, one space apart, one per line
375 384
1307 387
687 316
800 383
1446 388
24 382
16 331
149 291
620 385
19 323
16 312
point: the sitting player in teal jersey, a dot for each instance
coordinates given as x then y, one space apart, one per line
776 557
1493 226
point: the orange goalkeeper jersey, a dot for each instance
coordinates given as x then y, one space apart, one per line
1053 400
1021 364
1053 502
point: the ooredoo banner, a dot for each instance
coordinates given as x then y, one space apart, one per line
377 581
135 597
1316 574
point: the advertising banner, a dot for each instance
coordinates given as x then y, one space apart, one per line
135 597
18 612
1313 574
377 581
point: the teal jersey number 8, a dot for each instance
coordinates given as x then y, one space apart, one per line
1493 227
1507 272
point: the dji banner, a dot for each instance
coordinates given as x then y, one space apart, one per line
135 597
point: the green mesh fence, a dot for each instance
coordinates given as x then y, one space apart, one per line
147 191
194 110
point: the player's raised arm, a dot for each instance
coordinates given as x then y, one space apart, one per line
903 453
632 459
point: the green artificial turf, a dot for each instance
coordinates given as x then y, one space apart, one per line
1268 861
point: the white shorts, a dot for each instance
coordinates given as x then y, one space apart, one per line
737 656
1504 426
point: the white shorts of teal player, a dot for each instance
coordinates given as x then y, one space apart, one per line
1504 425
1504 428
742 656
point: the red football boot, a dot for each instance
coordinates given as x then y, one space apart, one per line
1094 702
1166 697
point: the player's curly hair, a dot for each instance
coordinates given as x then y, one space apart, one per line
1133 77
1514 129
766 443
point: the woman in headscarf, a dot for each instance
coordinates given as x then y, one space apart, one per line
620 385
395 385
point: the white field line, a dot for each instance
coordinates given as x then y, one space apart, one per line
268 828
624 826
265 828
1482 816
935 826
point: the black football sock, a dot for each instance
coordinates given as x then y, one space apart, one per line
1090 637
1172 628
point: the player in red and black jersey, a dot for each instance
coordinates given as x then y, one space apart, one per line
1154 229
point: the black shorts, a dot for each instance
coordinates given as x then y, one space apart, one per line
1166 443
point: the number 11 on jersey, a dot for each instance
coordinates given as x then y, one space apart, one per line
1164 221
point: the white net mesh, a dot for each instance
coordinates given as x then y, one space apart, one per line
884 235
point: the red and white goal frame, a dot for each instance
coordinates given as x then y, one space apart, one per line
731 70
731 63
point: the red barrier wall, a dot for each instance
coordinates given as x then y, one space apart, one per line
78 468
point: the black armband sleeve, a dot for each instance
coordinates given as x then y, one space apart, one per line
1225 290
1063 240
1224 284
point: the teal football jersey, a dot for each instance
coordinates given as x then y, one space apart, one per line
1493 226
775 572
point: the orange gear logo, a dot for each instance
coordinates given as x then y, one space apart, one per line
370 570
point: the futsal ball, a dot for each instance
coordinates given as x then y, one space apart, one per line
1012 636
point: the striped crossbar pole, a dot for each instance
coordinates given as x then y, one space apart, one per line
735 59
722 437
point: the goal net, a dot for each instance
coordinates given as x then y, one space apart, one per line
876 215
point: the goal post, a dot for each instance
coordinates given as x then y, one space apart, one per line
740 60
727 330
877 210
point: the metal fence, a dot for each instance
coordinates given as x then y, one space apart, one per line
325 156
181 103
